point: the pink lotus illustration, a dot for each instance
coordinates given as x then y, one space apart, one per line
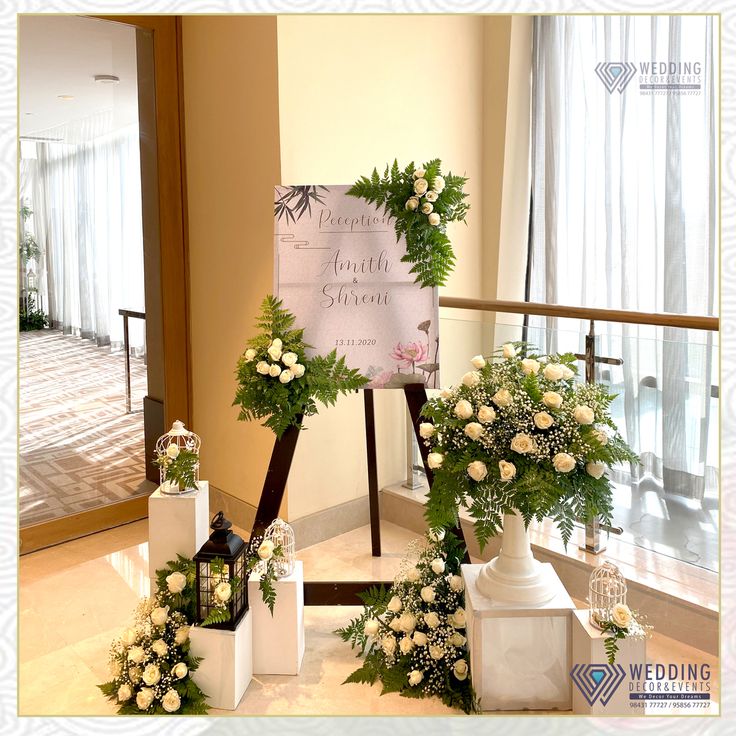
380 380
409 354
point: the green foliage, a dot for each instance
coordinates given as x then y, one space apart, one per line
610 643
284 404
182 469
186 600
428 247
30 318
216 616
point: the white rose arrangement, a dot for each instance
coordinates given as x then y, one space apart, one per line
412 636
623 623
422 201
519 432
179 465
278 382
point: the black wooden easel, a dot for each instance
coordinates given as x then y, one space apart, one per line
339 592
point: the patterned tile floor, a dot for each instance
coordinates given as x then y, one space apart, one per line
78 447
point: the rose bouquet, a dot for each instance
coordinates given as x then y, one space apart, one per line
276 379
412 636
422 202
623 624
519 433
151 665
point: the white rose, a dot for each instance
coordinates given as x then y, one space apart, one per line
419 639
406 644
553 371
427 208
180 670
181 635
446 393
250 353
412 575
601 436
265 549
457 639
529 365
473 430
522 443
583 414
543 420
144 698
436 535
371 627
395 624
457 584
436 652
434 460
552 399
152 674
460 670
426 430
428 594
437 565
223 592
136 654
276 343
502 397
509 351
432 620
486 414
160 647
394 605
470 379
288 359
457 619
159 616
262 367
415 677
176 582
388 644
172 451
563 462
595 470
421 185
419 174
621 615
274 370
297 369
478 361
431 196
129 637
508 470
274 352
438 184
135 674
567 373
286 376
412 203
434 219
171 701
407 622
125 692
477 470
463 409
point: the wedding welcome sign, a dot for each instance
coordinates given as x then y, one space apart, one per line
338 267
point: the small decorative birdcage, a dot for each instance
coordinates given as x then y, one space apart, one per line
221 577
177 455
607 588
282 536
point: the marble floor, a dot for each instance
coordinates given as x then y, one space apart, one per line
92 585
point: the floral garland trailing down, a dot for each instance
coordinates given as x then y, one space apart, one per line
519 433
411 637
422 201
623 624
276 379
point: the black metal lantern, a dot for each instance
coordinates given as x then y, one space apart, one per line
215 580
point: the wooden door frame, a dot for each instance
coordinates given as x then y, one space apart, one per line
175 401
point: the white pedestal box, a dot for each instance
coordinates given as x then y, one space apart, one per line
519 653
604 692
227 667
278 640
177 524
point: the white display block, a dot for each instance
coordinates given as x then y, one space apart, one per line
278 642
177 524
227 667
519 653
588 650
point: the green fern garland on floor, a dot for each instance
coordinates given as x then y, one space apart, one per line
422 202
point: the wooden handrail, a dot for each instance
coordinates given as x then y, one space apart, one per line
685 321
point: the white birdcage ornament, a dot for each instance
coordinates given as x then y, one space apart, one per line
607 588
177 455
282 536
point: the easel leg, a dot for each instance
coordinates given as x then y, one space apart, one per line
370 444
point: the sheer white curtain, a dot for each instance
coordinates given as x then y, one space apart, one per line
86 198
624 216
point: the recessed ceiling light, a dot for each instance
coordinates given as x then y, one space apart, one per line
106 78
66 98
28 113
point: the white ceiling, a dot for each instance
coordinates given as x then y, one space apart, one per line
60 55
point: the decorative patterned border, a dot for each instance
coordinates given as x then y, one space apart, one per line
8 382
